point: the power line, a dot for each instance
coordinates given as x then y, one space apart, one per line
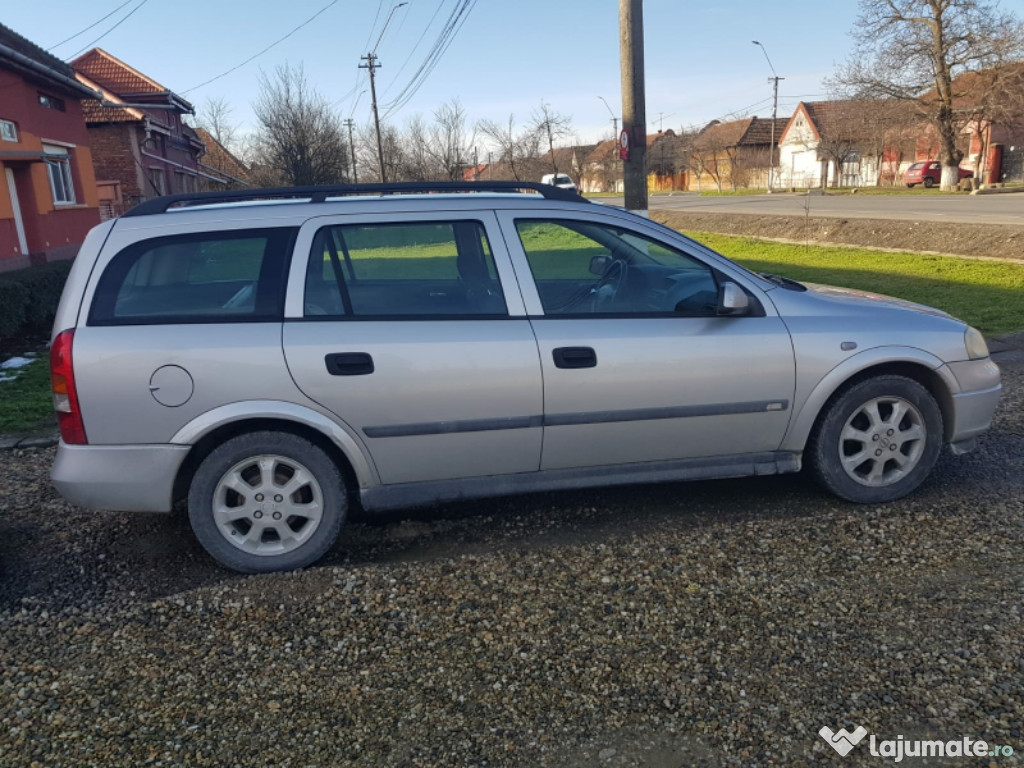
122 21
98 21
412 51
257 55
455 22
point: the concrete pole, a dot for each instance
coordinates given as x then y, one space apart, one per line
634 109
352 148
372 65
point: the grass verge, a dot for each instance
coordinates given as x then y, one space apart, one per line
987 294
26 405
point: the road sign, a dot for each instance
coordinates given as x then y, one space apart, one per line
624 145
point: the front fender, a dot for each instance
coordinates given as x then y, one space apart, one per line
345 438
804 418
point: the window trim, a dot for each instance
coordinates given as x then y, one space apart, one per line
339 268
58 161
511 289
271 282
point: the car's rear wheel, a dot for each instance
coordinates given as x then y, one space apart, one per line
267 501
929 182
910 186
877 440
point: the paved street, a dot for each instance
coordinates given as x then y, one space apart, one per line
976 209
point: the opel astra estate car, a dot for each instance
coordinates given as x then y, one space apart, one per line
274 357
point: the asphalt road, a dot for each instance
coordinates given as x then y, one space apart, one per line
976 209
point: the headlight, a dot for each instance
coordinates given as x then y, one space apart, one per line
975 343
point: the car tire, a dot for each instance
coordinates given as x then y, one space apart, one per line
267 501
876 440
910 186
929 182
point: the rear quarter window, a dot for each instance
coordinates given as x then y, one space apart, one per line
205 277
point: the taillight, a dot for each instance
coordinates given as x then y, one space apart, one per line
65 396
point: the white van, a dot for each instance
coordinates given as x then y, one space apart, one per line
559 180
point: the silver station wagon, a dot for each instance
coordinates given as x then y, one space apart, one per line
276 356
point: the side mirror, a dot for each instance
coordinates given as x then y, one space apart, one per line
732 300
599 265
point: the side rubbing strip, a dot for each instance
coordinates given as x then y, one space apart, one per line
569 419
453 427
673 412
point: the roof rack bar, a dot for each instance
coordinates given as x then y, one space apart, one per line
320 194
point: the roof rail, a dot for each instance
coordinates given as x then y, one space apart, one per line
320 194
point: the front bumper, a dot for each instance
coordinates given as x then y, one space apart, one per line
973 406
138 478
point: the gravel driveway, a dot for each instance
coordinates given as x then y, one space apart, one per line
711 624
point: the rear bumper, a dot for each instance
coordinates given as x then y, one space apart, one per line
137 478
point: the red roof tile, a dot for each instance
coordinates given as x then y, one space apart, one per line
113 74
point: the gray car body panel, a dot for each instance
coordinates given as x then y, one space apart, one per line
470 407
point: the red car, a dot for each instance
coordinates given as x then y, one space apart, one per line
929 173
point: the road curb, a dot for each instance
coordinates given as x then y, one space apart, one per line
12 443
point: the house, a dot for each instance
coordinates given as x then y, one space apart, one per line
48 199
736 153
667 158
141 146
218 161
602 169
848 142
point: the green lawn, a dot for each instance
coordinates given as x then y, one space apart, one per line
987 294
26 404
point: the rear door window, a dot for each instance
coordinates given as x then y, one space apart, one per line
205 277
401 270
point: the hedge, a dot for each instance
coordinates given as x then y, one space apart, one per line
29 298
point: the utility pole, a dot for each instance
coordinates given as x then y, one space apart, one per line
774 79
634 108
372 65
349 123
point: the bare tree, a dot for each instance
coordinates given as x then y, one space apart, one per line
449 142
552 126
214 117
517 150
915 49
298 140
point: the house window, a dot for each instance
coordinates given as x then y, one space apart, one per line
8 131
51 102
156 179
58 166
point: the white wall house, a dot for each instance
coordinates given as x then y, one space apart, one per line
803 164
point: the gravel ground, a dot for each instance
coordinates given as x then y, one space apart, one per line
711 624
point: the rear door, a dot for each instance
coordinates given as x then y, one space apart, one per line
412 330
637 365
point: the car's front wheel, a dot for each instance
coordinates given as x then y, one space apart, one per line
267 501
877 440
929 182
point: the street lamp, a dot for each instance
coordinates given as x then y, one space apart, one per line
775 108
615 120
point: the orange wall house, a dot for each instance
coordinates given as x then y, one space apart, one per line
48 199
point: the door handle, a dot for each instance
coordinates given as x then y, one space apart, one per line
575 357
349 364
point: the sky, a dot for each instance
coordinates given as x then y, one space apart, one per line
504 57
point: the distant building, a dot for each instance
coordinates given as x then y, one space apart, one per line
218 161
48 199
142 148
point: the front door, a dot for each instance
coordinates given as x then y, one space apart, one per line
637 365
19 225
404 331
